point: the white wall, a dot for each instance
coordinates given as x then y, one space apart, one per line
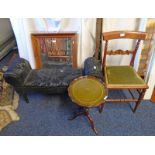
88 36
5 29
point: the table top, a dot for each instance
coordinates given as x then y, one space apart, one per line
87 91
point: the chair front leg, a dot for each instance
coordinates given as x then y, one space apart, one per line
141 96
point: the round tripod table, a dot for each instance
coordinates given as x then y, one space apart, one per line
87 92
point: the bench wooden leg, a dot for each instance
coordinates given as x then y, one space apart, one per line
26 97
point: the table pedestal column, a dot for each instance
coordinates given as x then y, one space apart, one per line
86 113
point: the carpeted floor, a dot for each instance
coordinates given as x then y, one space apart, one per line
48 115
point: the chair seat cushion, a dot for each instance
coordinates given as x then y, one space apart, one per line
52 77
123 76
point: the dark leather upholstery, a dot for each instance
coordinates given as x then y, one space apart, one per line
92 67
17 72
49 78
55 80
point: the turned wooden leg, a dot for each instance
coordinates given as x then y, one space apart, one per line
141 96
26 98
76 115
80 112
85 111
101 108
91 121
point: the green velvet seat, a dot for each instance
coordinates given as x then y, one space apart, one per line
123 76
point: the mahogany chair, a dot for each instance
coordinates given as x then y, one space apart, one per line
124 77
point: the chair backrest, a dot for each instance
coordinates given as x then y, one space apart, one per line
136 35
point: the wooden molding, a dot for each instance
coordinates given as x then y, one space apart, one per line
147 45
121 52
124 34
153 96
99 24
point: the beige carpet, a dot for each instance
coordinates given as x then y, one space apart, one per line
8 104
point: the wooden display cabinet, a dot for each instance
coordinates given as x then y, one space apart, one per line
56 48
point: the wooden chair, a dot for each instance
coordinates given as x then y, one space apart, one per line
124 77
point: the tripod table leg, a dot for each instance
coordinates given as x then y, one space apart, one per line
76 115
91 121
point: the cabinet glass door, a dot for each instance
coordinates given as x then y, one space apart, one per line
56 51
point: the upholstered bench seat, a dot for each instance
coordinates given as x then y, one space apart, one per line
51 77
50 80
